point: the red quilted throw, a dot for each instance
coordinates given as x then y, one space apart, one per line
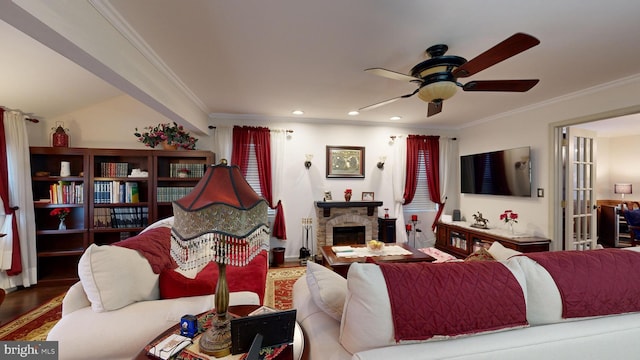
594 282
452 299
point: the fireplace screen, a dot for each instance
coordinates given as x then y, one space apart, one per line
348 235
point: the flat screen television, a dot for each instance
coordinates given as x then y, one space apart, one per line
504 172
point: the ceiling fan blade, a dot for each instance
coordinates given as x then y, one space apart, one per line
435 107
513 45
392 74
500 85
389 101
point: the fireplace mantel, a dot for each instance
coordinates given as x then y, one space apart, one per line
327 205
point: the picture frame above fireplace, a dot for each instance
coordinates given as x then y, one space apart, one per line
345 161
367 196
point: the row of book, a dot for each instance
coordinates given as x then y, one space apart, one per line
114 169
188 170
65 192
121 217
172 193
112 192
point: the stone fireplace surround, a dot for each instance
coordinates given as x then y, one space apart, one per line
330 214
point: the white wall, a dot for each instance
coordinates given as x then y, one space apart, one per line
112 124
620 164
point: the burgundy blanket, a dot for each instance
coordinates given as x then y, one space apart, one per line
452 299
155 245
595 282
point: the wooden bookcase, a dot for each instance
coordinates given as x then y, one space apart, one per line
459 240
101 214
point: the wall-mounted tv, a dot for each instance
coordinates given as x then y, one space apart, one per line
505 172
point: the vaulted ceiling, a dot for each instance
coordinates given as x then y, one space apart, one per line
264 59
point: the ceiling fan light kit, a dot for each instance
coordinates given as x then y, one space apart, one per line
437 77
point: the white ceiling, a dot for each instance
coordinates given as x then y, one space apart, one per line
263 59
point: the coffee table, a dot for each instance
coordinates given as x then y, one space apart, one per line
341 265
292 352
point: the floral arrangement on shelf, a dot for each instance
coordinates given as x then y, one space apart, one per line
172 133
61 213
183 170
509 217
348 192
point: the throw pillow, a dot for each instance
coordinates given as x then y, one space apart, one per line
328 289
499 252
253 277
155 245
114 277
480 255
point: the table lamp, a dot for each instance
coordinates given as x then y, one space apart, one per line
622 189
222 220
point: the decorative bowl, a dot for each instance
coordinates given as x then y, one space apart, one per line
375 246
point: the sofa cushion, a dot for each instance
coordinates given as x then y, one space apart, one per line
499 252
253 277
114 277
328 289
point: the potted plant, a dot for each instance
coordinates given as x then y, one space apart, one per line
169 135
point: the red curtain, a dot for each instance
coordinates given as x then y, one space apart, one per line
430 146
260 137
16 260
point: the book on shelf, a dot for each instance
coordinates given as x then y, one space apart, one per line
66 192
113 192
192 170
121 217
114 169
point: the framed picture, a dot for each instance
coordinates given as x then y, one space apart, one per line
327 196
345 161
367 196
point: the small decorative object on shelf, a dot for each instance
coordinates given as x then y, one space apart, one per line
386 213
347 195
60 138
168 135
61 213
481 223
509 217
183 173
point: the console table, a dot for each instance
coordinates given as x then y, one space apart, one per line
460 239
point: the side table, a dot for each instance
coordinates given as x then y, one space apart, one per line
292 352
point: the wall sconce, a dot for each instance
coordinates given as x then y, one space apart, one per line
307 162
381 161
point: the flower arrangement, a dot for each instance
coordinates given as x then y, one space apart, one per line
348 192
509 217
61 213
172 133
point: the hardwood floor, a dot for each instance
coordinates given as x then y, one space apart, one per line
23 300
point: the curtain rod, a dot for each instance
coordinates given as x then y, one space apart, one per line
287 131
35 121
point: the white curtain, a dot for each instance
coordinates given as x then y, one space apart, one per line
6 242
278 143
448 168
223 143
398 176
20 195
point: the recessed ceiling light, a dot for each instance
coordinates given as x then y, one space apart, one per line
395 118
354 113
297 112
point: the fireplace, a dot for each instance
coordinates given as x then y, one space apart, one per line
348 235
346 223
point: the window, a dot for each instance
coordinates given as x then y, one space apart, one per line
421 200
252 176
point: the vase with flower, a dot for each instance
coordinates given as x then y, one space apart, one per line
61 214
509 217
170 136
347 195
183 173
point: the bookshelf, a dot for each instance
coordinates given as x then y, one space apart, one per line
112 194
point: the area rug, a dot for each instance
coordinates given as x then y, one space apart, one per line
34 325
278 293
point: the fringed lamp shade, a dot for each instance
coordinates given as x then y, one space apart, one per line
222 220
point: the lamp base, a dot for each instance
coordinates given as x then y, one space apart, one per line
216 340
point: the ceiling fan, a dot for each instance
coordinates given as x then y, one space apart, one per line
437 77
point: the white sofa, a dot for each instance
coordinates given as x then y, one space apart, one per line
351 319
115 309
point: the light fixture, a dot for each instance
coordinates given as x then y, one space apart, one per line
395 118
622 189
307 162
440 90
381 161
221 220
354 113
297 112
